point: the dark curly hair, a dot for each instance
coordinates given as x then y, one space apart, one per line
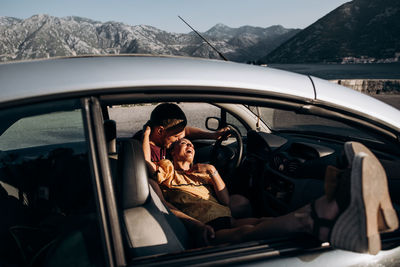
168 115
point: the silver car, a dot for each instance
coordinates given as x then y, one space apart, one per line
73 183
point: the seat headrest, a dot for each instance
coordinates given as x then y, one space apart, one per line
134 184
110 131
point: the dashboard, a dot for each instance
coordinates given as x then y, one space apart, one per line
291 167
294 156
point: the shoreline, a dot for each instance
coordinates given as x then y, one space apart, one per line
372 86
377 71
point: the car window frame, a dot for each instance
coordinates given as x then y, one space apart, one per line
188 256
103 182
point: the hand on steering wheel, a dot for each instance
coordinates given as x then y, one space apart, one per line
225 157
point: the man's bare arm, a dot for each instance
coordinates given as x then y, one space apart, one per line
197 133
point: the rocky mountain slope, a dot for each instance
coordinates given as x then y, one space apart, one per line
43 36
360 31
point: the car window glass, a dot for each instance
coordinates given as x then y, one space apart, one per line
45 184
281 120
230 119
45 129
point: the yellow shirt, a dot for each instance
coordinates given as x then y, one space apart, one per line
192 193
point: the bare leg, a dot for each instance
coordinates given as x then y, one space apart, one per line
232 235
327 209
359 224
269 227
294 222
246 221
240 206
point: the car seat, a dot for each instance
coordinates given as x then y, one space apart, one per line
150 228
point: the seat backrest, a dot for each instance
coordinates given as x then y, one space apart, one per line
150 228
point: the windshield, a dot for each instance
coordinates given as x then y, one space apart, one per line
285 120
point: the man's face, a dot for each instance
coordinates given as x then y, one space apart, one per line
168 138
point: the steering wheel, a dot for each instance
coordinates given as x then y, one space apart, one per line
227 158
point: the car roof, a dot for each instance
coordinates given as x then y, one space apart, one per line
349 99
102 74
65 75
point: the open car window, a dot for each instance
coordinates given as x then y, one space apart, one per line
196 113
281 170
131 118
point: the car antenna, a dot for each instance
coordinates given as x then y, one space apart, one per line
205 40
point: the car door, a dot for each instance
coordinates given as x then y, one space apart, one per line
48 204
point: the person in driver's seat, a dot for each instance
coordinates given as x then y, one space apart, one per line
355 209
169 124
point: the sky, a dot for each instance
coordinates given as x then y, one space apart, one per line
163 14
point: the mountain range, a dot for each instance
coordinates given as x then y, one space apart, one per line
43 36
360 31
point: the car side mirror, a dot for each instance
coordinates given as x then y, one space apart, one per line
212 123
